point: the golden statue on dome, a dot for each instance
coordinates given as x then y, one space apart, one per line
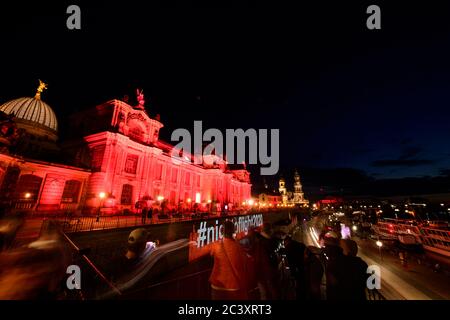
42 87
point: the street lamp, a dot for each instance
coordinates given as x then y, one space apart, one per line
209 206
102 196
160 200
379 245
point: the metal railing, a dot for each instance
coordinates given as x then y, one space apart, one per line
90 223
93 280
194 286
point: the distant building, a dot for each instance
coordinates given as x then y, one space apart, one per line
299 196
113 152
283 191
269 199
296 197
329 201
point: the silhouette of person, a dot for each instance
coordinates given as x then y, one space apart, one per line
228 277
356 272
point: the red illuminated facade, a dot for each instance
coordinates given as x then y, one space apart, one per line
114 150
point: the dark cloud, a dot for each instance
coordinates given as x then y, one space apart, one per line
409 152
406 159
375 174
360 151
406 141
402 163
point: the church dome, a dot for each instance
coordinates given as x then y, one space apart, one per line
32 110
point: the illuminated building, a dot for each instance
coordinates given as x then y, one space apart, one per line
283 191
298 195
112 149
329 201
292 198
270 199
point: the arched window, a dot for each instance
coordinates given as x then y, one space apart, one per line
158 171
97 158
131 163
71 191
127 194
28 188
174 176
187 178
173 196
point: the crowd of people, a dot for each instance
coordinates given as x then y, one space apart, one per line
256 268
265 264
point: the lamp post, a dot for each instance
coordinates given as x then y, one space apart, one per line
102 196
379 245
160 200
189 200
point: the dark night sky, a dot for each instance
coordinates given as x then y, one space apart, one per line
341 95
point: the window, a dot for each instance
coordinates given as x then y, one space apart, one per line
158 171
174 175
28 188
173 196
131 163
71 191
198 180
187 178
97 157
127 194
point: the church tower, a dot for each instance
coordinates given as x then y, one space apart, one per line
298 192
282 190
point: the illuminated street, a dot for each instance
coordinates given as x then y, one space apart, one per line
417 282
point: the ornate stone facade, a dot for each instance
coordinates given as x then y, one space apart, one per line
114 149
